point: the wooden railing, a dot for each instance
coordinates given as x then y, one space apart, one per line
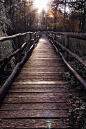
52 38
3 62
19 50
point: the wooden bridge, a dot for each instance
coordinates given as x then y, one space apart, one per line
38 97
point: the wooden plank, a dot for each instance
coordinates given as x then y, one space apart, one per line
34 123
38 76
34 113
44 72
37 94
35 100
38 79
25 100
10 107
50 69
39 89
45 58
40 85
36 88
40 82
41 65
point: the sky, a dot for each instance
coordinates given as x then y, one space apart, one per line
41 4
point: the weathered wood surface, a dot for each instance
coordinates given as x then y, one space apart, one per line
80 79
13 36
69 52
72 35
38 97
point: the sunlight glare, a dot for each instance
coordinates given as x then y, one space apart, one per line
49 122
42 40
41 4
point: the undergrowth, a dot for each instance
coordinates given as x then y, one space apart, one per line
77 112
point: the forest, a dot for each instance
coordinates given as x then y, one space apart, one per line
23 16
61 15
19 16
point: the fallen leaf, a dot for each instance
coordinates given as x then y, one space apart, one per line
74 105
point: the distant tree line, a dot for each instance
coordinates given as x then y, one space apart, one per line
22 14
66 15
62 15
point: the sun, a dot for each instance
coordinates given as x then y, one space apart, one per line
41 4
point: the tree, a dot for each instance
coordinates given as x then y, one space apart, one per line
22 14
58 10
53 10
43 20
79 7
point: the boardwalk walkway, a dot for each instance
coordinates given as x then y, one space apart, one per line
37 98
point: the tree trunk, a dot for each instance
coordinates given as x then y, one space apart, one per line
83 24
55 18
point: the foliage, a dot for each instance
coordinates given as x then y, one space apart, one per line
43 20
73 20
55 13
78 8
72 24
22 14
6 47
77 111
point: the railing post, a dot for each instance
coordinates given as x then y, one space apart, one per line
55 36
52 34
35 34
30 35
40 33
47 33
30 38
18 46
67 46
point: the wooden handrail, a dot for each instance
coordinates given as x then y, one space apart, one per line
6 86
70 52
82 81
5 60
67 51
14 36
66 48
72 35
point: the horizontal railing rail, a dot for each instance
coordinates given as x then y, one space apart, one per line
72 35
52 38
5 87
5 60
14 36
